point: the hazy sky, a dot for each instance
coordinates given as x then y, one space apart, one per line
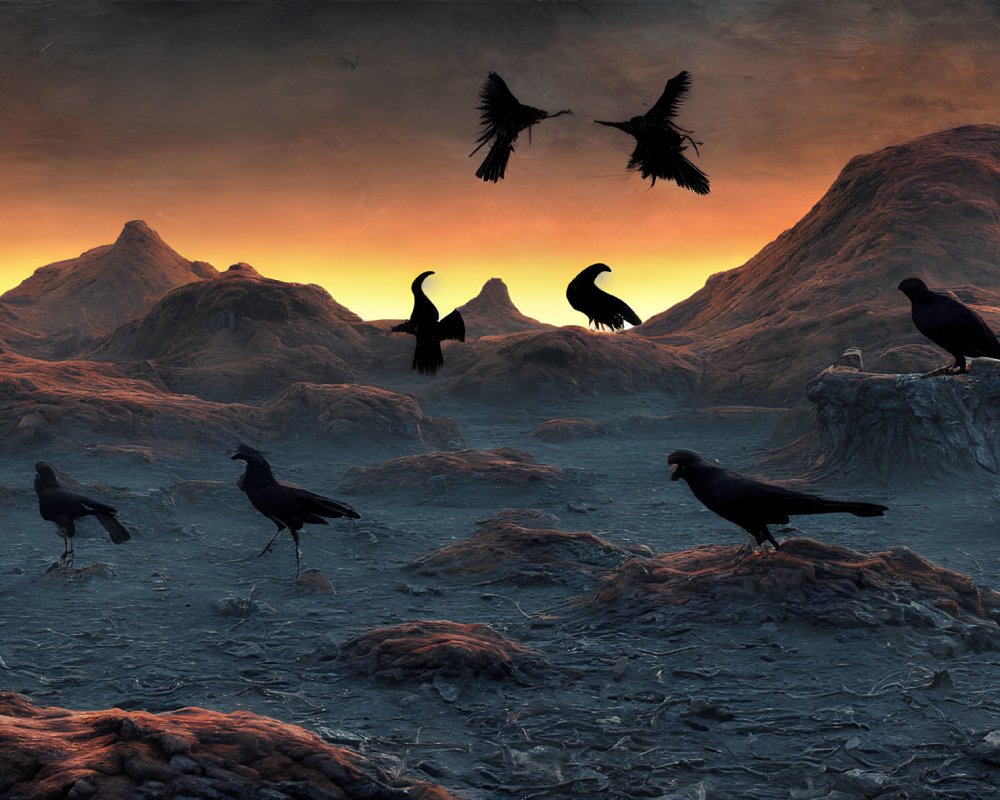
328 142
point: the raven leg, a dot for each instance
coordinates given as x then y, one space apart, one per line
762 534
298 555
267 549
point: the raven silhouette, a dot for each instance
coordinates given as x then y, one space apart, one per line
601 308
424 324
503 118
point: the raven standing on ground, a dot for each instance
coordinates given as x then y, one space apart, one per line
503 119
600 307
753 505
660 144
950 324
424 324
64 507
286 505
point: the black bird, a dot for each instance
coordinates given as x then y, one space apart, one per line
424 324
660 143
751 504
503 118
950 324
64 507
601 308
285 504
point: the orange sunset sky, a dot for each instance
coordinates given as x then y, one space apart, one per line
328 142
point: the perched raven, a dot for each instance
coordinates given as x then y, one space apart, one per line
753 505
950 324
64 507
424 324
286 505
660 144
503 118
601 308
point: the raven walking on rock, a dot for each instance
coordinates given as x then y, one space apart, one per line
752 504
950 324
660 143
286 505
503 118
601 308
64 508
424 324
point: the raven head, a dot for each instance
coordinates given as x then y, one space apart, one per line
680 461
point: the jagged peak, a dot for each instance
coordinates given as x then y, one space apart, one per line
137 230
242 270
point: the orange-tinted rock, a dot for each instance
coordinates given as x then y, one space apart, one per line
419 650
52 752
804 572
491 312
503 467
926 208
908 358
312 581
504 547
563 430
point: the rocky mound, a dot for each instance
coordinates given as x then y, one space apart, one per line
422 650
350 414
505 550
64 306
566 362
564 430
193 753
908 427
928 208
807 579
439 474
492 313
240 337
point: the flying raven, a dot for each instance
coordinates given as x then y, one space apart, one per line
64 507
503 118
950 324
751 504
424 324
601 308
286 505
660 143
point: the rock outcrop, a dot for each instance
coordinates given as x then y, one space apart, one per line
905 426
492 313
193 753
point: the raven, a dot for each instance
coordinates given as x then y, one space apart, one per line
660 143
503 118
600 307
64 507
950 324
424 324
285 504
751 504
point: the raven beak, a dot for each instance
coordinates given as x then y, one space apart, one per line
675 475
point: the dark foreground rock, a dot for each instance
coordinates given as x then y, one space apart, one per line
191 753
423 650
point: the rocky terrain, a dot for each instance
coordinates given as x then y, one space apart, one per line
528 606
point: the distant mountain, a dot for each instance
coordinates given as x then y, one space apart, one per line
240 337
65 305
492 312
928 208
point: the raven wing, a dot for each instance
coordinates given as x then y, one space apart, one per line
452 327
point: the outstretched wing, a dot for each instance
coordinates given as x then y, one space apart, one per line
498 120
666 107
452 327
661 155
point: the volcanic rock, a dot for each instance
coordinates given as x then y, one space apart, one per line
192 752
928 208
423 650
438 474
906 426
807 579
566 362
492 312
241 337
507 551
64 306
